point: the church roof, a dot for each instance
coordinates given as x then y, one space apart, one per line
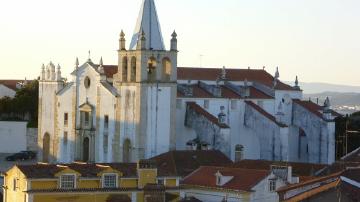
314 108
148 22
11 84
212 74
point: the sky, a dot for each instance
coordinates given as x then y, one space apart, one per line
318 40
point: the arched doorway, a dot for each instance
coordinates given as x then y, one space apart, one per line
86 149
126 151
46 147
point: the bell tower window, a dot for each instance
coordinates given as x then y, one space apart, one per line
133 69
124 69
151 69
166 63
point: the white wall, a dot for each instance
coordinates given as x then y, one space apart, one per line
12 136
6 92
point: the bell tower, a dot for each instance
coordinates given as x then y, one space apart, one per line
147 82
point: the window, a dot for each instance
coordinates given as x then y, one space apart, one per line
239 153
233 104
105 143
67 181
87 82
87 118
178 104
206 104
161 182
106 122
109 180
65 138
14 184
272 185
66 119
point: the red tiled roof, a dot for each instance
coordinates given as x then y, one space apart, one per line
182 163
243 179
86 170
258 75
299 169
206 114
10 83
265 113
110 70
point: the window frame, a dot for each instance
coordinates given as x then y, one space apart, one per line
110 174
272 185
66 119
61 181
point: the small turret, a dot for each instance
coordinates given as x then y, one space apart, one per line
141 44
58 73
122 40
296 87
276 77
173 46
42 77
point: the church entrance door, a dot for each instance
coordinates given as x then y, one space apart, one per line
86 149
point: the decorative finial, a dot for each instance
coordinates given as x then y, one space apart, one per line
263 67
122 34
174 35
89 57
77 62
327 102
142 36
101 62
43 67
277 74
223 73
296 81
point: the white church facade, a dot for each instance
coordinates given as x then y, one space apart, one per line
147 105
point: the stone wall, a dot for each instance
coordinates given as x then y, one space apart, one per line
32 139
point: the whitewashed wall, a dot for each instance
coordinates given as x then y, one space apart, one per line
12 136
6 92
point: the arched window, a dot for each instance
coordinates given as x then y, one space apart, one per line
124 68
46 147
86 149
133 69
239 153
151 69
166 64
126 151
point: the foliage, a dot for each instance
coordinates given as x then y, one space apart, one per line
25 102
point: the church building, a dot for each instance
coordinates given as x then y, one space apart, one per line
146 105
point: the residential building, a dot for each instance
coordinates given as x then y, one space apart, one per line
214 184
342 186
83 182
146 105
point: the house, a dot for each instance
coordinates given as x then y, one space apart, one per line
214 184
89 183
342 186
8 88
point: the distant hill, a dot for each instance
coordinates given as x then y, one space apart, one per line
311 88
344 103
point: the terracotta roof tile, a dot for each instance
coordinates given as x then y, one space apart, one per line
265 113
299 169
258 75
86 170
10 83
110 70
243 179
206 114
182 163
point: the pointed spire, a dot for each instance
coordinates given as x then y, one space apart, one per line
58 73
89 57
148 21
42 77
327 102
296 82
141 43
